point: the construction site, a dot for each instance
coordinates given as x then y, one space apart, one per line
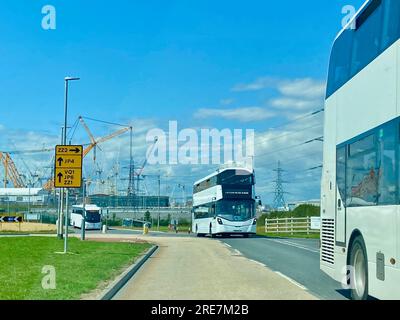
120 189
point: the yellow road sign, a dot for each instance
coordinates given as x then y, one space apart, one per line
68 167
69 161
69 150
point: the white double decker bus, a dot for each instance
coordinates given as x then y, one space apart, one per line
92 214
224 203
360 237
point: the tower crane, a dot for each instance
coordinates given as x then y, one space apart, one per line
11 171
139 174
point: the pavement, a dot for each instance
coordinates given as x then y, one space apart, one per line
188 268
297 259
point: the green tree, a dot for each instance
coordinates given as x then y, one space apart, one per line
147 216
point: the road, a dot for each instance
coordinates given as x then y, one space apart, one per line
188 268
297 259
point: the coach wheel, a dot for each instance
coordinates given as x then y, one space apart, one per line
359 272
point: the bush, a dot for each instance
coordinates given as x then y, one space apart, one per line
305 210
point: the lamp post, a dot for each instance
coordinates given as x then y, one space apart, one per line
67 80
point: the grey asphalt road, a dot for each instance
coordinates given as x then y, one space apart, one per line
189 268
297 259
138 232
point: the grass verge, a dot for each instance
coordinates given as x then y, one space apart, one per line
91 264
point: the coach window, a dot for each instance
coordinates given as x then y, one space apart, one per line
362 173
366 42
391 23
201 212
341 172
388 178
339 66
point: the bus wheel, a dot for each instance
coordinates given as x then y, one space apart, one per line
359 272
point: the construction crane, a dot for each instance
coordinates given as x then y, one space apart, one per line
139 174
49 185
11 171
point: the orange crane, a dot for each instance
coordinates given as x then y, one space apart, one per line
49 185
11 171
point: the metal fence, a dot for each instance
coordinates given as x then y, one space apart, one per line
289 226
45 218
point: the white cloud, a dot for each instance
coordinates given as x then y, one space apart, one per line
258 84
249 114
305 88
300 94
294 104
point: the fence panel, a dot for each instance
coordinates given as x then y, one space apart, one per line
289 226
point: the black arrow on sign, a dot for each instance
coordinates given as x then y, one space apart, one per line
76 150
60 175
60 161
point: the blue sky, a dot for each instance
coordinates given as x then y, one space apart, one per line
147 62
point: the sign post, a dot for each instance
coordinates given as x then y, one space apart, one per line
68 174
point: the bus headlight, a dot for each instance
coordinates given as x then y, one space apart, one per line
220 221
254 222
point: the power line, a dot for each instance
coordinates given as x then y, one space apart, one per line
293 159
301 117
290 133
106 122
291 147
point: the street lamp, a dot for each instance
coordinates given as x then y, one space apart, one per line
67 80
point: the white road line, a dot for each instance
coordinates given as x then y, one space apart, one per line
229 246
237 252
291 280
292 244
259 263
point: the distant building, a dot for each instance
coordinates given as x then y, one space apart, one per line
23 195
105 201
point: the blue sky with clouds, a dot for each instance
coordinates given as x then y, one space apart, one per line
224 64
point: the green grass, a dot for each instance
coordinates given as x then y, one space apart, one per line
92 263
261 232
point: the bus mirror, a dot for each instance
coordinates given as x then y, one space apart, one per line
259 202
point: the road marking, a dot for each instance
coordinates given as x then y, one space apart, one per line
291 280
292 244
229 246
237 252
259 263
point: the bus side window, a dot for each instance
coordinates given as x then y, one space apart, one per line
213 214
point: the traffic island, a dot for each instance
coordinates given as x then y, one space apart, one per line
32 270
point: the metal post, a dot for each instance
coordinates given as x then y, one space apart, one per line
83 226
60 201
29 199
67 79
66 222
66 193
159 191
